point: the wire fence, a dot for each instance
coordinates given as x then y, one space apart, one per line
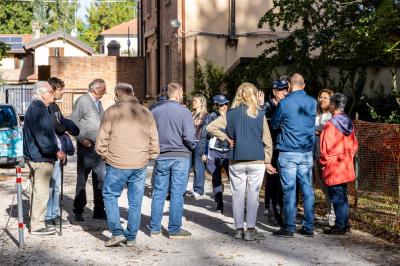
375 195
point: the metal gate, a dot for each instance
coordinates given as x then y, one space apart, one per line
19 95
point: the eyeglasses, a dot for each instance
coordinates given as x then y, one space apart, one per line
323 98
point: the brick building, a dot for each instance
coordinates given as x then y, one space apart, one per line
78 72
177 33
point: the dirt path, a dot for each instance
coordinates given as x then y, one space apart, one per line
211 243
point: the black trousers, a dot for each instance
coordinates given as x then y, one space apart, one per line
273 190
217 162
89 162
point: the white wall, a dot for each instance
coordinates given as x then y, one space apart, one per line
42 52
123 41
7 63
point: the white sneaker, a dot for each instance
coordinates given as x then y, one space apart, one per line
196 195
331 219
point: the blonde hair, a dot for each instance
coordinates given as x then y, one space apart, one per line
203 102
173 88
247 94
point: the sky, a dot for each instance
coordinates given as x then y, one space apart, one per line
82 10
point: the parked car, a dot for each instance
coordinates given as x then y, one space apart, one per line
11 144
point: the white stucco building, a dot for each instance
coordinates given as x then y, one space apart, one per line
125 34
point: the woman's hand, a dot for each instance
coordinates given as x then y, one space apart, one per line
270 169
260 98
231 143
204 158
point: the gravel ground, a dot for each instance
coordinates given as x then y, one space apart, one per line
211 242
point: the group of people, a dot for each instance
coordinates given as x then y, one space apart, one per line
250 139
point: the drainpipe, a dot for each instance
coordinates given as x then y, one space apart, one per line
183 46
232 19
139 30
158 52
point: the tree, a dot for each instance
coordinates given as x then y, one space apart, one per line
208 81
351 35
15 16
102 16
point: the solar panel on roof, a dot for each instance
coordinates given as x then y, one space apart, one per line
16 46
16 39
5 39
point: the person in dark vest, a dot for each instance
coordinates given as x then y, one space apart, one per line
251 150
218 151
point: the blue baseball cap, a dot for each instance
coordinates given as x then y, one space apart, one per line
220 99
280 84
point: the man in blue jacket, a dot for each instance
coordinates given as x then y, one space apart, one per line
294 119
40 152
171 170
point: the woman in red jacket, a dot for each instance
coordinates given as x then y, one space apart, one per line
338 146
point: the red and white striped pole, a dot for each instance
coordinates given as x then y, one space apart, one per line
20 208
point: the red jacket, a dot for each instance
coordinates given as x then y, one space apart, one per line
337 154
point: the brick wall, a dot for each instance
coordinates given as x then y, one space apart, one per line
169 9
78 72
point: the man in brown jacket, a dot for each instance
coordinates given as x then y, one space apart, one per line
127 140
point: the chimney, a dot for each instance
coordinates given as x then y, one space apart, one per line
35 30
113 48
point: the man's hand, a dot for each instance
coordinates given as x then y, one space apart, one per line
86 143
61 156
270 169
260 98
204 158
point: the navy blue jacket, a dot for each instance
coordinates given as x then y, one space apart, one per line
175 129
40 144
294 119
247 132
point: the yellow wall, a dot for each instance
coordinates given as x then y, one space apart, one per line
214 17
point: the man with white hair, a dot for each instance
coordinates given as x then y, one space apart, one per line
86 114
40 152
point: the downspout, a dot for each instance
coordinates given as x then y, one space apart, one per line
138 31
184 46
158 52
142 47
232 20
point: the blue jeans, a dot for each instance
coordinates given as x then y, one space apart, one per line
199 172
338 197
53 205
297 166
172 172
114 183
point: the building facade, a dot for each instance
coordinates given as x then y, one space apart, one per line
126 34
177 33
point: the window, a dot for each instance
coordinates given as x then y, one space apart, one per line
167 64
56 51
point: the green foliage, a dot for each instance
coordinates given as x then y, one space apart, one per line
316 35
15 16
102 16
208 81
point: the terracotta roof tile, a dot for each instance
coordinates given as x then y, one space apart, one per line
122 28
